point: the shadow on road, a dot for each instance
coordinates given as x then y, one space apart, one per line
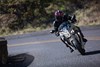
93 52
21 60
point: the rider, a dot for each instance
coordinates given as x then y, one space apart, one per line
58 20
60 17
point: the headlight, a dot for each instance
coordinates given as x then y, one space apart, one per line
67 34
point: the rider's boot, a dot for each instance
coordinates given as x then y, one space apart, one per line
84 39
78 29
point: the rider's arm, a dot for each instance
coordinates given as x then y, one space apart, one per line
73 19
70 18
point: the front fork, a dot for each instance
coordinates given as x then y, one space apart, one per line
66 43
80 39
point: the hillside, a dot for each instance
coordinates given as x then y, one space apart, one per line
22 16
90 15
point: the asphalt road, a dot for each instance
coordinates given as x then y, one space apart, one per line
46 50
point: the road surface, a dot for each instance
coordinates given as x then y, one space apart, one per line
46 50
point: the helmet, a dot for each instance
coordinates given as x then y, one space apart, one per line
59 14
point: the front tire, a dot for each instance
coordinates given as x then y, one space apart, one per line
79 47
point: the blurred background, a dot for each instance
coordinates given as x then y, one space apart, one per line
24 16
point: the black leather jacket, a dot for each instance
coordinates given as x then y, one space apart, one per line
66 17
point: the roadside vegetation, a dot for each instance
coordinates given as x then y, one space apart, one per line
23 16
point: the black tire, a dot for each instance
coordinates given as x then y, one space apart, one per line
79 47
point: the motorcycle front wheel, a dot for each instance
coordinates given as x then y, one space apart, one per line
79 47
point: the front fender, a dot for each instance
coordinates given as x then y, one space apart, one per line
74 42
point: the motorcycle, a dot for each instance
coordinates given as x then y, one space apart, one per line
71 37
